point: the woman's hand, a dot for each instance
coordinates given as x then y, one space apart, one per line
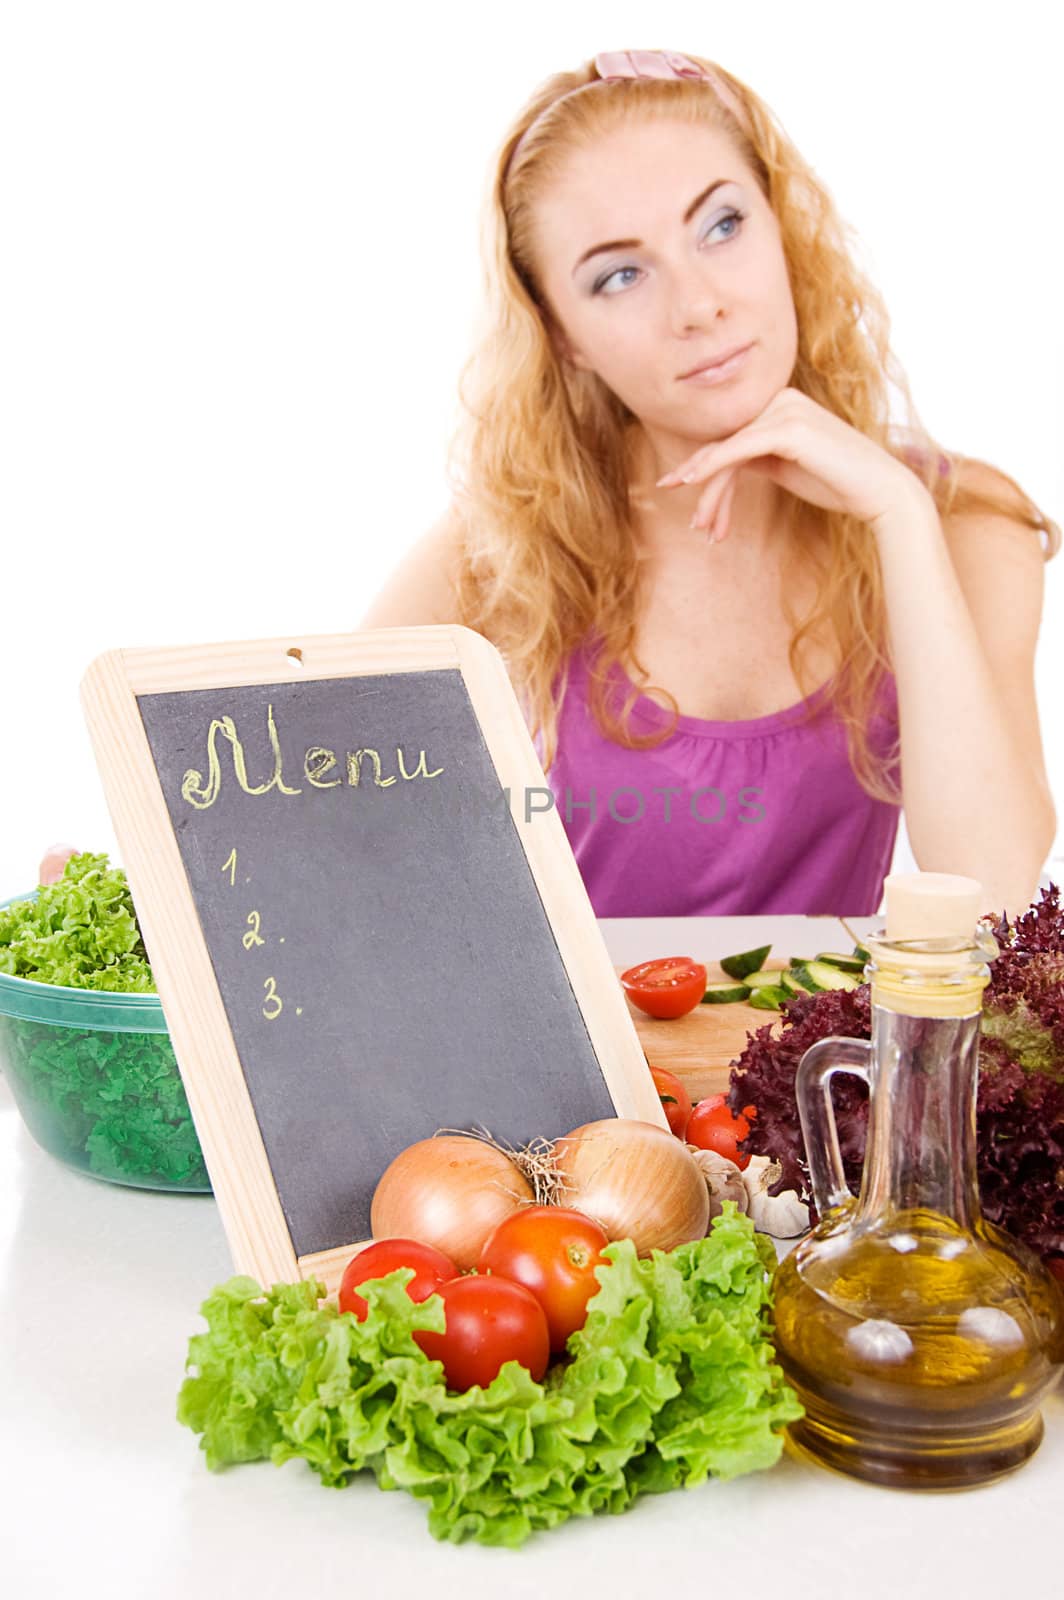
808 451
53 862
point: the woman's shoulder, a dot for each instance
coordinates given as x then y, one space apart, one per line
423 588
986 498
979 477
971 474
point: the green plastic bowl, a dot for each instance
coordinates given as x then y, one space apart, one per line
94 1077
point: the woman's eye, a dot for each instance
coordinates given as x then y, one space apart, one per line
733 217
619 272
729 216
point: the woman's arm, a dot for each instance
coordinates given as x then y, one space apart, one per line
962 615
421 589
964 605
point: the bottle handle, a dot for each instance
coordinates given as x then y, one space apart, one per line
812 1085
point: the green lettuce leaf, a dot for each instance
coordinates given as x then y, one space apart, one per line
109 1101
80 932
671 1380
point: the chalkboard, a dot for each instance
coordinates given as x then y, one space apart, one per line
394 941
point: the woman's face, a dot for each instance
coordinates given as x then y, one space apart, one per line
679 284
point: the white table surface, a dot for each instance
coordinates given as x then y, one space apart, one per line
103 1493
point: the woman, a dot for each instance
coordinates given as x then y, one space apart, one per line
840 617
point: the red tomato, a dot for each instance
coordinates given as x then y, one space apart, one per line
675 1101
489 1321
431 1268
712 1127
554 1253
669 987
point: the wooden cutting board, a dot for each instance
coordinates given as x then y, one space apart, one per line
701 1047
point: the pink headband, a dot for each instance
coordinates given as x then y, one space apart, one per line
613 66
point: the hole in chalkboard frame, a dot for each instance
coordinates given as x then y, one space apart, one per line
296 655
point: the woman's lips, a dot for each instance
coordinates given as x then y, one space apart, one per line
722 371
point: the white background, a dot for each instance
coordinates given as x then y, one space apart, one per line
237 272
240 266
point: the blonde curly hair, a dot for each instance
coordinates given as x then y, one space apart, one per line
538 464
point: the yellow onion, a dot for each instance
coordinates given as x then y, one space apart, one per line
635 1179
449 1192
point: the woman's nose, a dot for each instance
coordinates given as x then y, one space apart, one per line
696 300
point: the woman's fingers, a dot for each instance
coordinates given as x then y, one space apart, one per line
718 528
772 435
710 501
810 453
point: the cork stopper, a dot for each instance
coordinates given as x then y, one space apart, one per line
940 910
931 905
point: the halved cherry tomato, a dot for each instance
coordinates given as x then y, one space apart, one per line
553 1251
668 987
489 1321
431 1268
712 1126
675 1101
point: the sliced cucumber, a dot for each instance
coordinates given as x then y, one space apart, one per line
762 980
769 998
844 963
795 981
747 961
822 976
719 994
860 953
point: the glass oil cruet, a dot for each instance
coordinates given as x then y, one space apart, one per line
920 1338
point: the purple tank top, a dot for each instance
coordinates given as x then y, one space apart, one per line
742 818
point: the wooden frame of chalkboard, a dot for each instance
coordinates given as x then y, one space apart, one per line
439 935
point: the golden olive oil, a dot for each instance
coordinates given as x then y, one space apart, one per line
920 1338
920 1351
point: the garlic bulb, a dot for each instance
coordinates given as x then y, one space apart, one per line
723 1180
781 1215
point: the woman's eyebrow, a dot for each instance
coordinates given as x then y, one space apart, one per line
635 244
